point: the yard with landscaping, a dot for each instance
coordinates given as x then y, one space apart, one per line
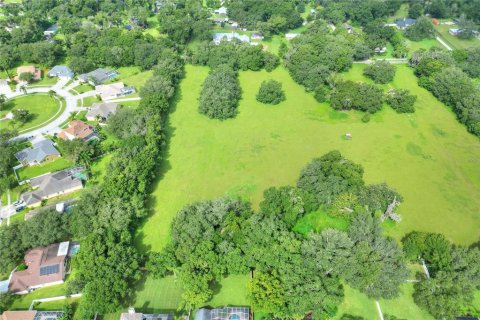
269 145
42 108
42 168
454 41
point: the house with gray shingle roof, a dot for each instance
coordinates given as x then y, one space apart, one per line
51 185
133 315
98 76
101 111
405 23
39 152
61 72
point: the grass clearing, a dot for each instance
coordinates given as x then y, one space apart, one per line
24 301
132 76
42 108
427 156
453 41
51 166
82 89
232 290
268 146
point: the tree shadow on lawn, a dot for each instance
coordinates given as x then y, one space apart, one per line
163 166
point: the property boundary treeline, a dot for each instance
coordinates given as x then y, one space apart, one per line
106 217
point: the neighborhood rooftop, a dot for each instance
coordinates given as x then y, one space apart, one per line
37 153
98 76
218 37
226 313
31 315
61 71
101 110
133 315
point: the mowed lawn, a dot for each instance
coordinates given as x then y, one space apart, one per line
42 108
453 41
427 156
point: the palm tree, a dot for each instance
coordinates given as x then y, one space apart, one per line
23 89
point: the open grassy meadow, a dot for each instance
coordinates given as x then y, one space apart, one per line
427 156
453 41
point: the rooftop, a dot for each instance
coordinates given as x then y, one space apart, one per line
38 152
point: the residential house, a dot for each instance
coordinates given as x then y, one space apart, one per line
39 152
51 185
46 266
101 111
221 10
455 32
31 315
290 36
349 28
404 23
380 49
34 71
256 36
61 72
78 130
51 31
133 315
226 313
113 90
98 76
219 37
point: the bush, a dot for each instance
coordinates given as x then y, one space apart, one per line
321 93
220 94
270 92
401 101
358 96
366 118
380 72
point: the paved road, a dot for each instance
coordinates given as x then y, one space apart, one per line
54 126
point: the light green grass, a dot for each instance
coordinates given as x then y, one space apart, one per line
318 221
45 81
52 166
55 305
357 304
24 301
42 107
88 101
133 76
152 28
99 169
427 156
404 307
82 88
453 41
401 13
231 291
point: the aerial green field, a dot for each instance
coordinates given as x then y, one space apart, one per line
42 107
51 166
427 156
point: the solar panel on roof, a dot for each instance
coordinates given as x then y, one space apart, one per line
46 270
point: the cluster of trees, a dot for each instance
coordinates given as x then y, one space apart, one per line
316 54
293 274
380 72
437 73
106 217
220 94
454 274
468 60
361 12
401 100
221 91
270 92
446 8
422 29
41 230
269 17
236 54
348 95
184 20
78 151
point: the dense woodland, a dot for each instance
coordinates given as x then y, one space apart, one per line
294 272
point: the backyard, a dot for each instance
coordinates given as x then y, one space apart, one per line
42 108
268 146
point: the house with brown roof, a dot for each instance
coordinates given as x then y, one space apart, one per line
31 315
78 130
45 267
34 71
